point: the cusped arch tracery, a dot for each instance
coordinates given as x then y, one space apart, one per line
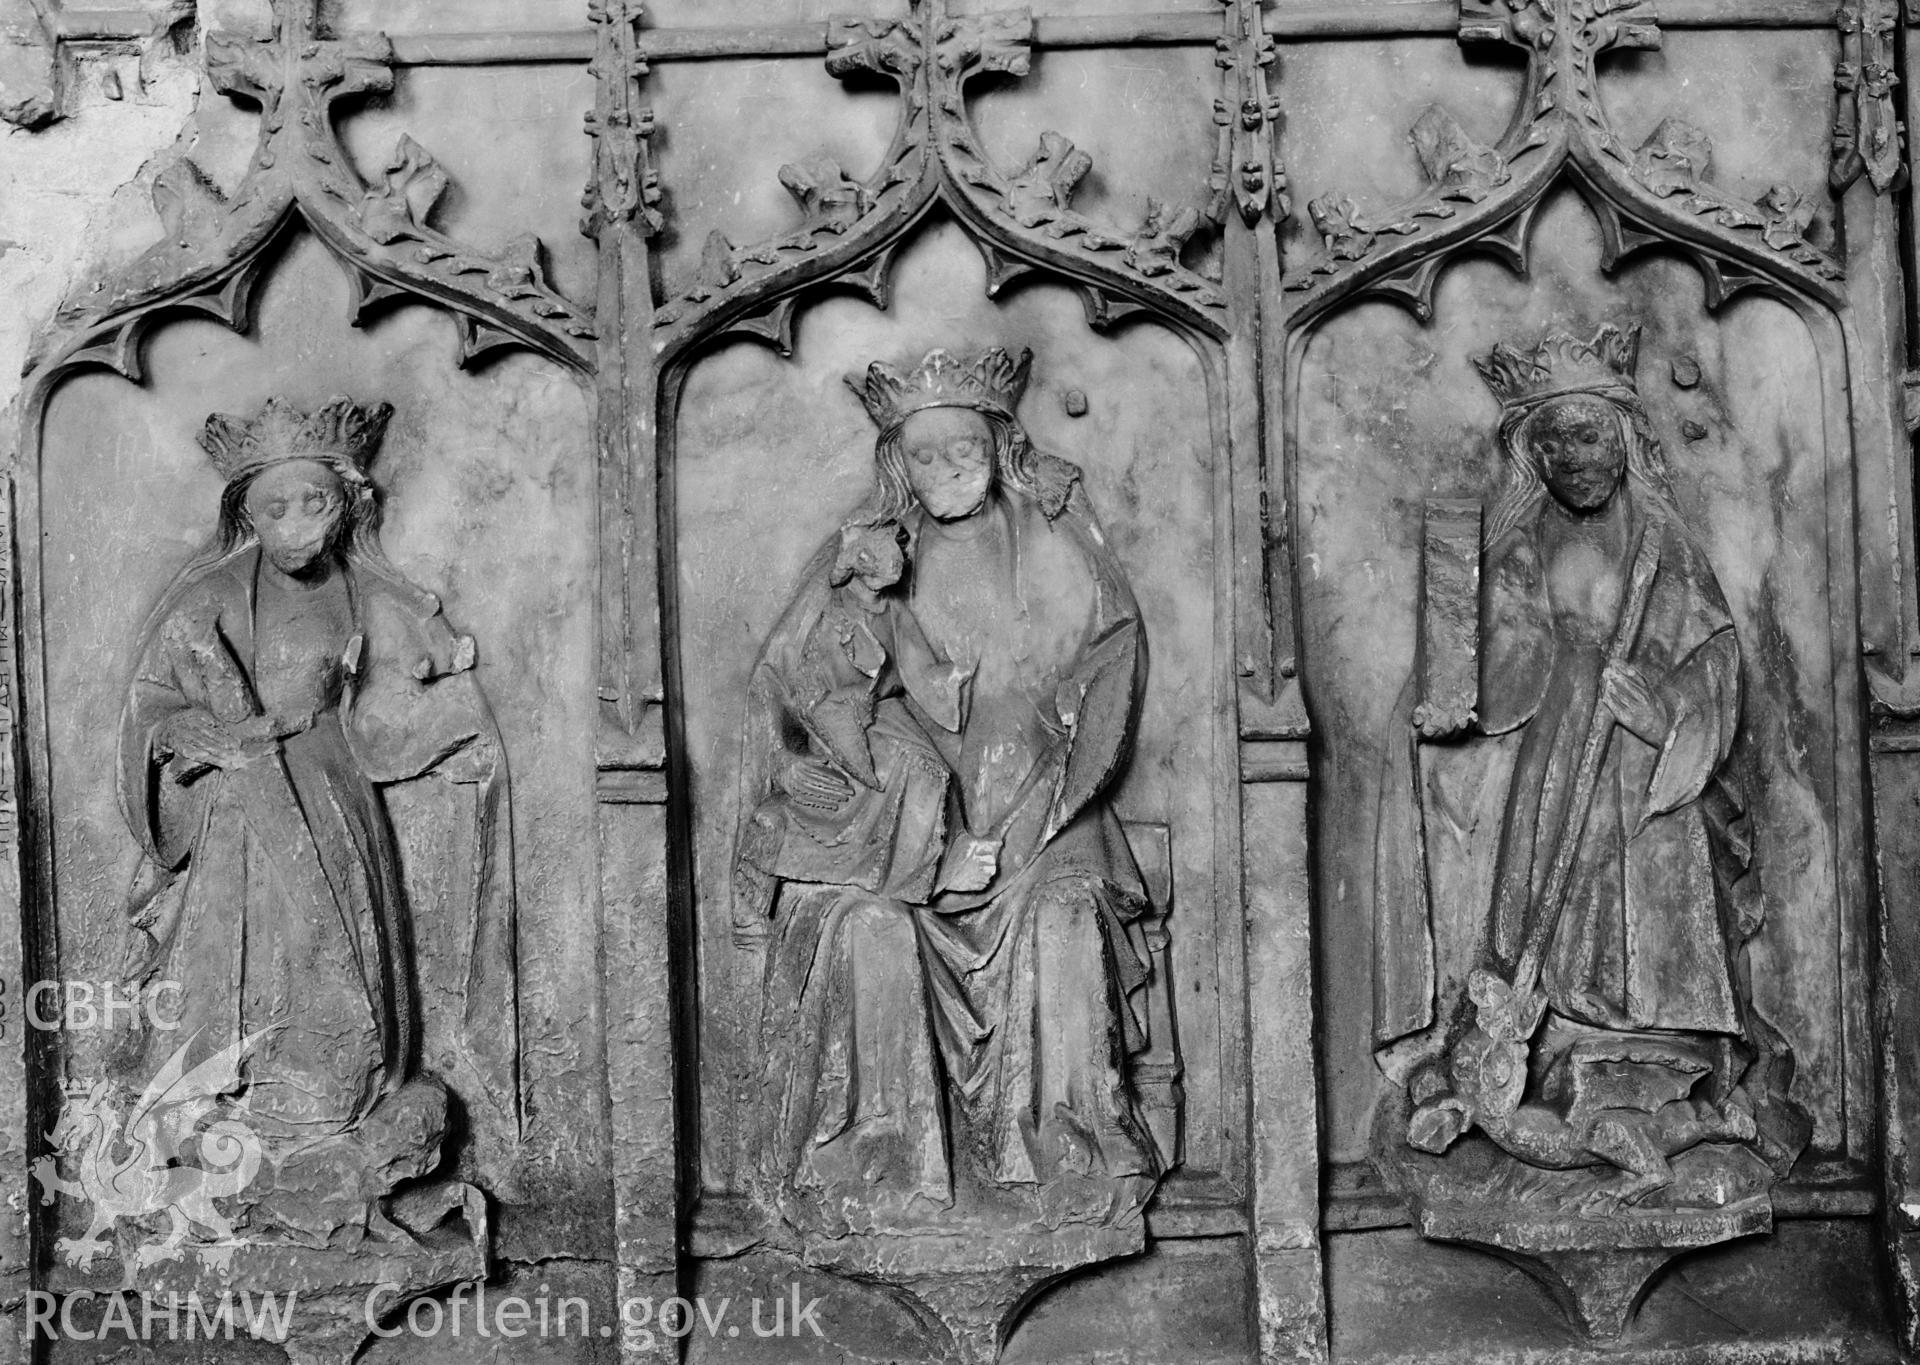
215 249
1023 221
1483 199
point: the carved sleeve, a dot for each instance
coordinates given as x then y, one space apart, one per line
1704 694
160 807
1517 645
1099 703
418 707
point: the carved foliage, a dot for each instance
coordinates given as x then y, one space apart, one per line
1024 220
1868 138
1247 167
1657 192
625 188
1673 163
837 210
213 250
1037 200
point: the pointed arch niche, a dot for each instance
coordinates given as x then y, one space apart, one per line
487 487
764 457
1748 387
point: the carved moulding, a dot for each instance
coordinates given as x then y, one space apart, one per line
1023 222
1483 199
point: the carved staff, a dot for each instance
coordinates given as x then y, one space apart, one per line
1646 563
1507 1015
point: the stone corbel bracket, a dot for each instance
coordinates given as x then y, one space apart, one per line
1023 222
216 249
1483 199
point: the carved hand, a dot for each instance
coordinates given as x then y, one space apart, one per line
198 737
971 865
465 654
816 785
141 958
1635 702
1439 723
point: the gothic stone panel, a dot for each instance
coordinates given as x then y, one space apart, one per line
1413 422
486 500
772 455
1390 419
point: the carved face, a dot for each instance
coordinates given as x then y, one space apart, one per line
949 459
296 509
1581 446
876 555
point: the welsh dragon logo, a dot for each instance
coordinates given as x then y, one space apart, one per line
138 1168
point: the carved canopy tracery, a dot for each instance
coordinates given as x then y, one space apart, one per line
1484 199
216 249
1023 222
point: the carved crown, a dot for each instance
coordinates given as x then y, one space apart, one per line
1559 364
339 431
992 383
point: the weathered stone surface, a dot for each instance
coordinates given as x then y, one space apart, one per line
1253 248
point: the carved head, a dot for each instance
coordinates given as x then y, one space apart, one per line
298 509
1571 424
948 455
875 555
297 480
948 436
1579 442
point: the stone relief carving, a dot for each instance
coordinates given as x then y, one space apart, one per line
1483 199
932 731
215 247
1868 136
625 188
31 80
1023 221
1594 1023
286 677
1248 168
894 782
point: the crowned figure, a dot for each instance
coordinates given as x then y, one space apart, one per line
287 676
1588 1011
933 728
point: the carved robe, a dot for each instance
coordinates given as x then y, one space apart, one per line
1660 902
920 1037
274 889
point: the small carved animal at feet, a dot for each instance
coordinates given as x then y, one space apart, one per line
1635 1129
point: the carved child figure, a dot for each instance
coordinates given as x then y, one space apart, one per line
947 1014
891 833
843 656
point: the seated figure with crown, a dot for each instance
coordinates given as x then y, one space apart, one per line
933 730
1570 987
288 676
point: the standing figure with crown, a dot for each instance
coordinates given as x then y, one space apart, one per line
1593 1016
287 673
933 728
